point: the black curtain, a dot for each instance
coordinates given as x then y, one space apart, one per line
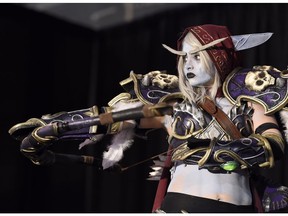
48 65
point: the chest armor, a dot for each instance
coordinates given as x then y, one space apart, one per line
189 120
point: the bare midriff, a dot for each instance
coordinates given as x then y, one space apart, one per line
231 188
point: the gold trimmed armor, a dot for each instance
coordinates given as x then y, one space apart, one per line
214 149
21 130
265 85
153 88
218 155
37 134
191 121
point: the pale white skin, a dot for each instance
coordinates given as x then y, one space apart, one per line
194 70
188 179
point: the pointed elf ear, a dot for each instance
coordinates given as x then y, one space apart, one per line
247 41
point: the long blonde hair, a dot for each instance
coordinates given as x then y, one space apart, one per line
197 94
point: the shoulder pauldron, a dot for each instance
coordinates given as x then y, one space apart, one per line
265 85
151 88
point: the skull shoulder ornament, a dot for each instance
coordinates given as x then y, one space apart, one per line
160 79
264 85
150 88
259 79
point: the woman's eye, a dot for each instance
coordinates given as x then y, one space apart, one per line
197 57
185 58
194 56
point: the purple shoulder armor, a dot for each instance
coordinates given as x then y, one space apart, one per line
152 88
265 85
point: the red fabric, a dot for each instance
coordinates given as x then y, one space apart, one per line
164 181
222 54
256 198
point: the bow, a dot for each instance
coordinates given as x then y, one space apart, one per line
35 145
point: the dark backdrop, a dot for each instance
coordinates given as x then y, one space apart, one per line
47 66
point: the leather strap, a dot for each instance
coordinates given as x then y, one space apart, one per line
226 123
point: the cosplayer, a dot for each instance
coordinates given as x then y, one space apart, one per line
219 117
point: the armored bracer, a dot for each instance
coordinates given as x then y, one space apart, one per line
143 91
226 156
35 146
151 88
21 130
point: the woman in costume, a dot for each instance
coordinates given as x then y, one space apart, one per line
216 143
202 70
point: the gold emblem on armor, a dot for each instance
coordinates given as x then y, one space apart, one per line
259 79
